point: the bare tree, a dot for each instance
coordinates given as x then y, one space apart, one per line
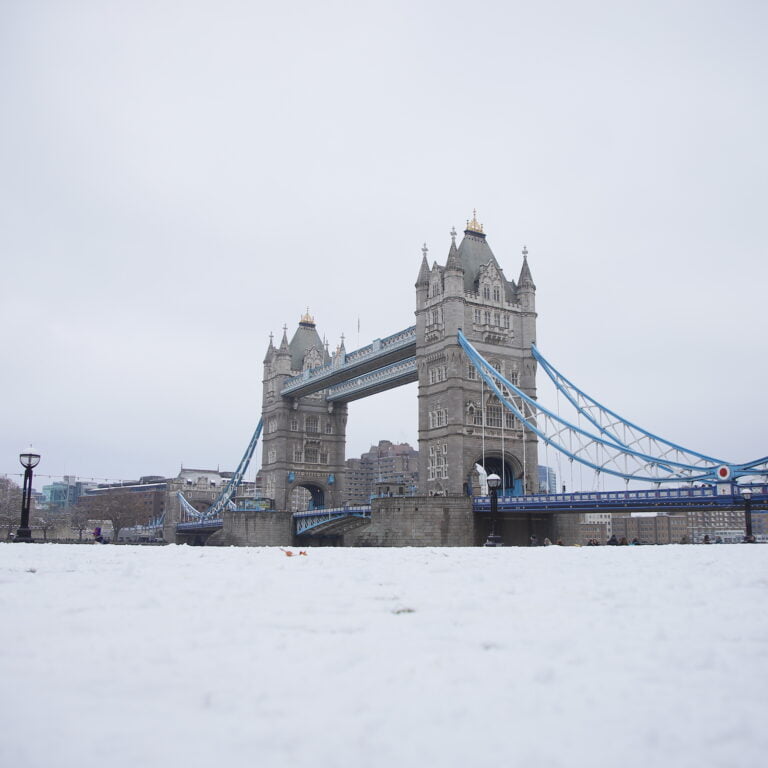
43 521
123 509
10 506
79 516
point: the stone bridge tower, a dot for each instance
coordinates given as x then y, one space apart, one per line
460 422
303 439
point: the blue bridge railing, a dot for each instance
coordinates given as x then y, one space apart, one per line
663 498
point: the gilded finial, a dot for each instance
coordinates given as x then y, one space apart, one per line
307 319
474 225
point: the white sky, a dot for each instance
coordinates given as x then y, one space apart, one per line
179 179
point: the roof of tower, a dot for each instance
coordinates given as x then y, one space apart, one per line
474 253
303 340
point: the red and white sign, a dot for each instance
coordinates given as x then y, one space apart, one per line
723 473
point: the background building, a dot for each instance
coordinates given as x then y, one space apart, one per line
387 469
63 493
547 480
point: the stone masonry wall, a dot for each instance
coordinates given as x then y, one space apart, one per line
254 528
417 521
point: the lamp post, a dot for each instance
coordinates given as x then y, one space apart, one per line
746 494
28 461
494 483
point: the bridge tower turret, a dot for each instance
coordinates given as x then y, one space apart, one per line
303 439
460 423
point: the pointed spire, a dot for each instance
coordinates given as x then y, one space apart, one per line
284 342
270 349
423 278
526 279
453 254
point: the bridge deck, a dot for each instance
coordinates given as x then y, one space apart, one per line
617 501
379 354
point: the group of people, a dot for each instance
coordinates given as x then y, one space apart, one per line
613 542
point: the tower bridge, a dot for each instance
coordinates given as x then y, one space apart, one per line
473 353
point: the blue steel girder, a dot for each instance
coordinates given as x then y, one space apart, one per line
224 499
320 521
379 354
596 450
395 375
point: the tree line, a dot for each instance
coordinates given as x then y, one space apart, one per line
123 509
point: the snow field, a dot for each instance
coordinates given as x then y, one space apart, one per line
553 656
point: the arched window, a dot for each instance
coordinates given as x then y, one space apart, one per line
496 293
486 292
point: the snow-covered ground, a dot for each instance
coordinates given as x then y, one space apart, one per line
180 656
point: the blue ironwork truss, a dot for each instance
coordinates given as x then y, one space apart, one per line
224 499
315 521
616 447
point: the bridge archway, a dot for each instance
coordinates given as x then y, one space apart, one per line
306 496
508 468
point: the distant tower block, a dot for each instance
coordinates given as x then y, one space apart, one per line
498 316
304 438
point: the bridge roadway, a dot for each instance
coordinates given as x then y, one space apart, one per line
625 501
381 353
323 521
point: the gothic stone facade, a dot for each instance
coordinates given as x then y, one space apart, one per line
498 316
303 439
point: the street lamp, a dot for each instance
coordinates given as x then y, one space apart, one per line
28 461
494 483
746 494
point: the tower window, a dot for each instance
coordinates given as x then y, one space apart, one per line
312 424
493 416
486 292
496 293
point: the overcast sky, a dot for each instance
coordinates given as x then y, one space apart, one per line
180 179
